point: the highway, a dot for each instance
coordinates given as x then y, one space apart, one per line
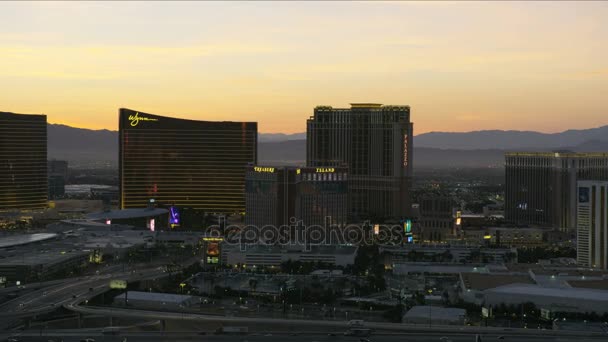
176 337
72 294
50 298
338 327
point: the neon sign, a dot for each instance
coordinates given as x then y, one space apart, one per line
407 226
263 169
135 119
325 170
174 217
405 151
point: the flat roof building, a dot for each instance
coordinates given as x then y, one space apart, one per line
155 300
437 315
191 164
38 265
264 255
554 299
23 164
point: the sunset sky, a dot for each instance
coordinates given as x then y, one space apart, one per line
460 66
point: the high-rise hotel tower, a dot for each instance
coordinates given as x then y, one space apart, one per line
198 165
592 224
23 165
540 187
375 143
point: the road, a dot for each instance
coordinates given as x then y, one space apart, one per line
315 325
72 294
50 298
176 337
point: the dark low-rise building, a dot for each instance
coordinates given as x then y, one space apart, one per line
38 266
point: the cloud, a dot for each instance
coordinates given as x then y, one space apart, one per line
105 62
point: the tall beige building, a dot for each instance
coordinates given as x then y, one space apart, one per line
592 221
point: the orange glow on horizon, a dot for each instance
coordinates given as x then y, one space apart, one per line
461 66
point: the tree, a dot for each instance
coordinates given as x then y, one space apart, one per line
253 284
395 314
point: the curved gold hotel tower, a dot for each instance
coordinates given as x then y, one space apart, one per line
192 164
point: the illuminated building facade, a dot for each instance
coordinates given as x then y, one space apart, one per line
275 195
188 164
540 187
23 163
375 143
592 224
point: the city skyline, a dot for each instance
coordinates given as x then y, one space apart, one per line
332 170
461 66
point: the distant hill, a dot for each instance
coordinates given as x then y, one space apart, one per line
510 139
294 153
438 149
272 137
82 147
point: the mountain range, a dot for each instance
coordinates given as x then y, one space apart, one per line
435 149
511 139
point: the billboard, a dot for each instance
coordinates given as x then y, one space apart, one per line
174 219
407 226
118 284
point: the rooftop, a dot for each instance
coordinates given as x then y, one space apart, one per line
479 281
42 258
366 105
23 239
535 290
127 214
590 284
558 154
422 267
297 249
155 297
436 312
568 271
